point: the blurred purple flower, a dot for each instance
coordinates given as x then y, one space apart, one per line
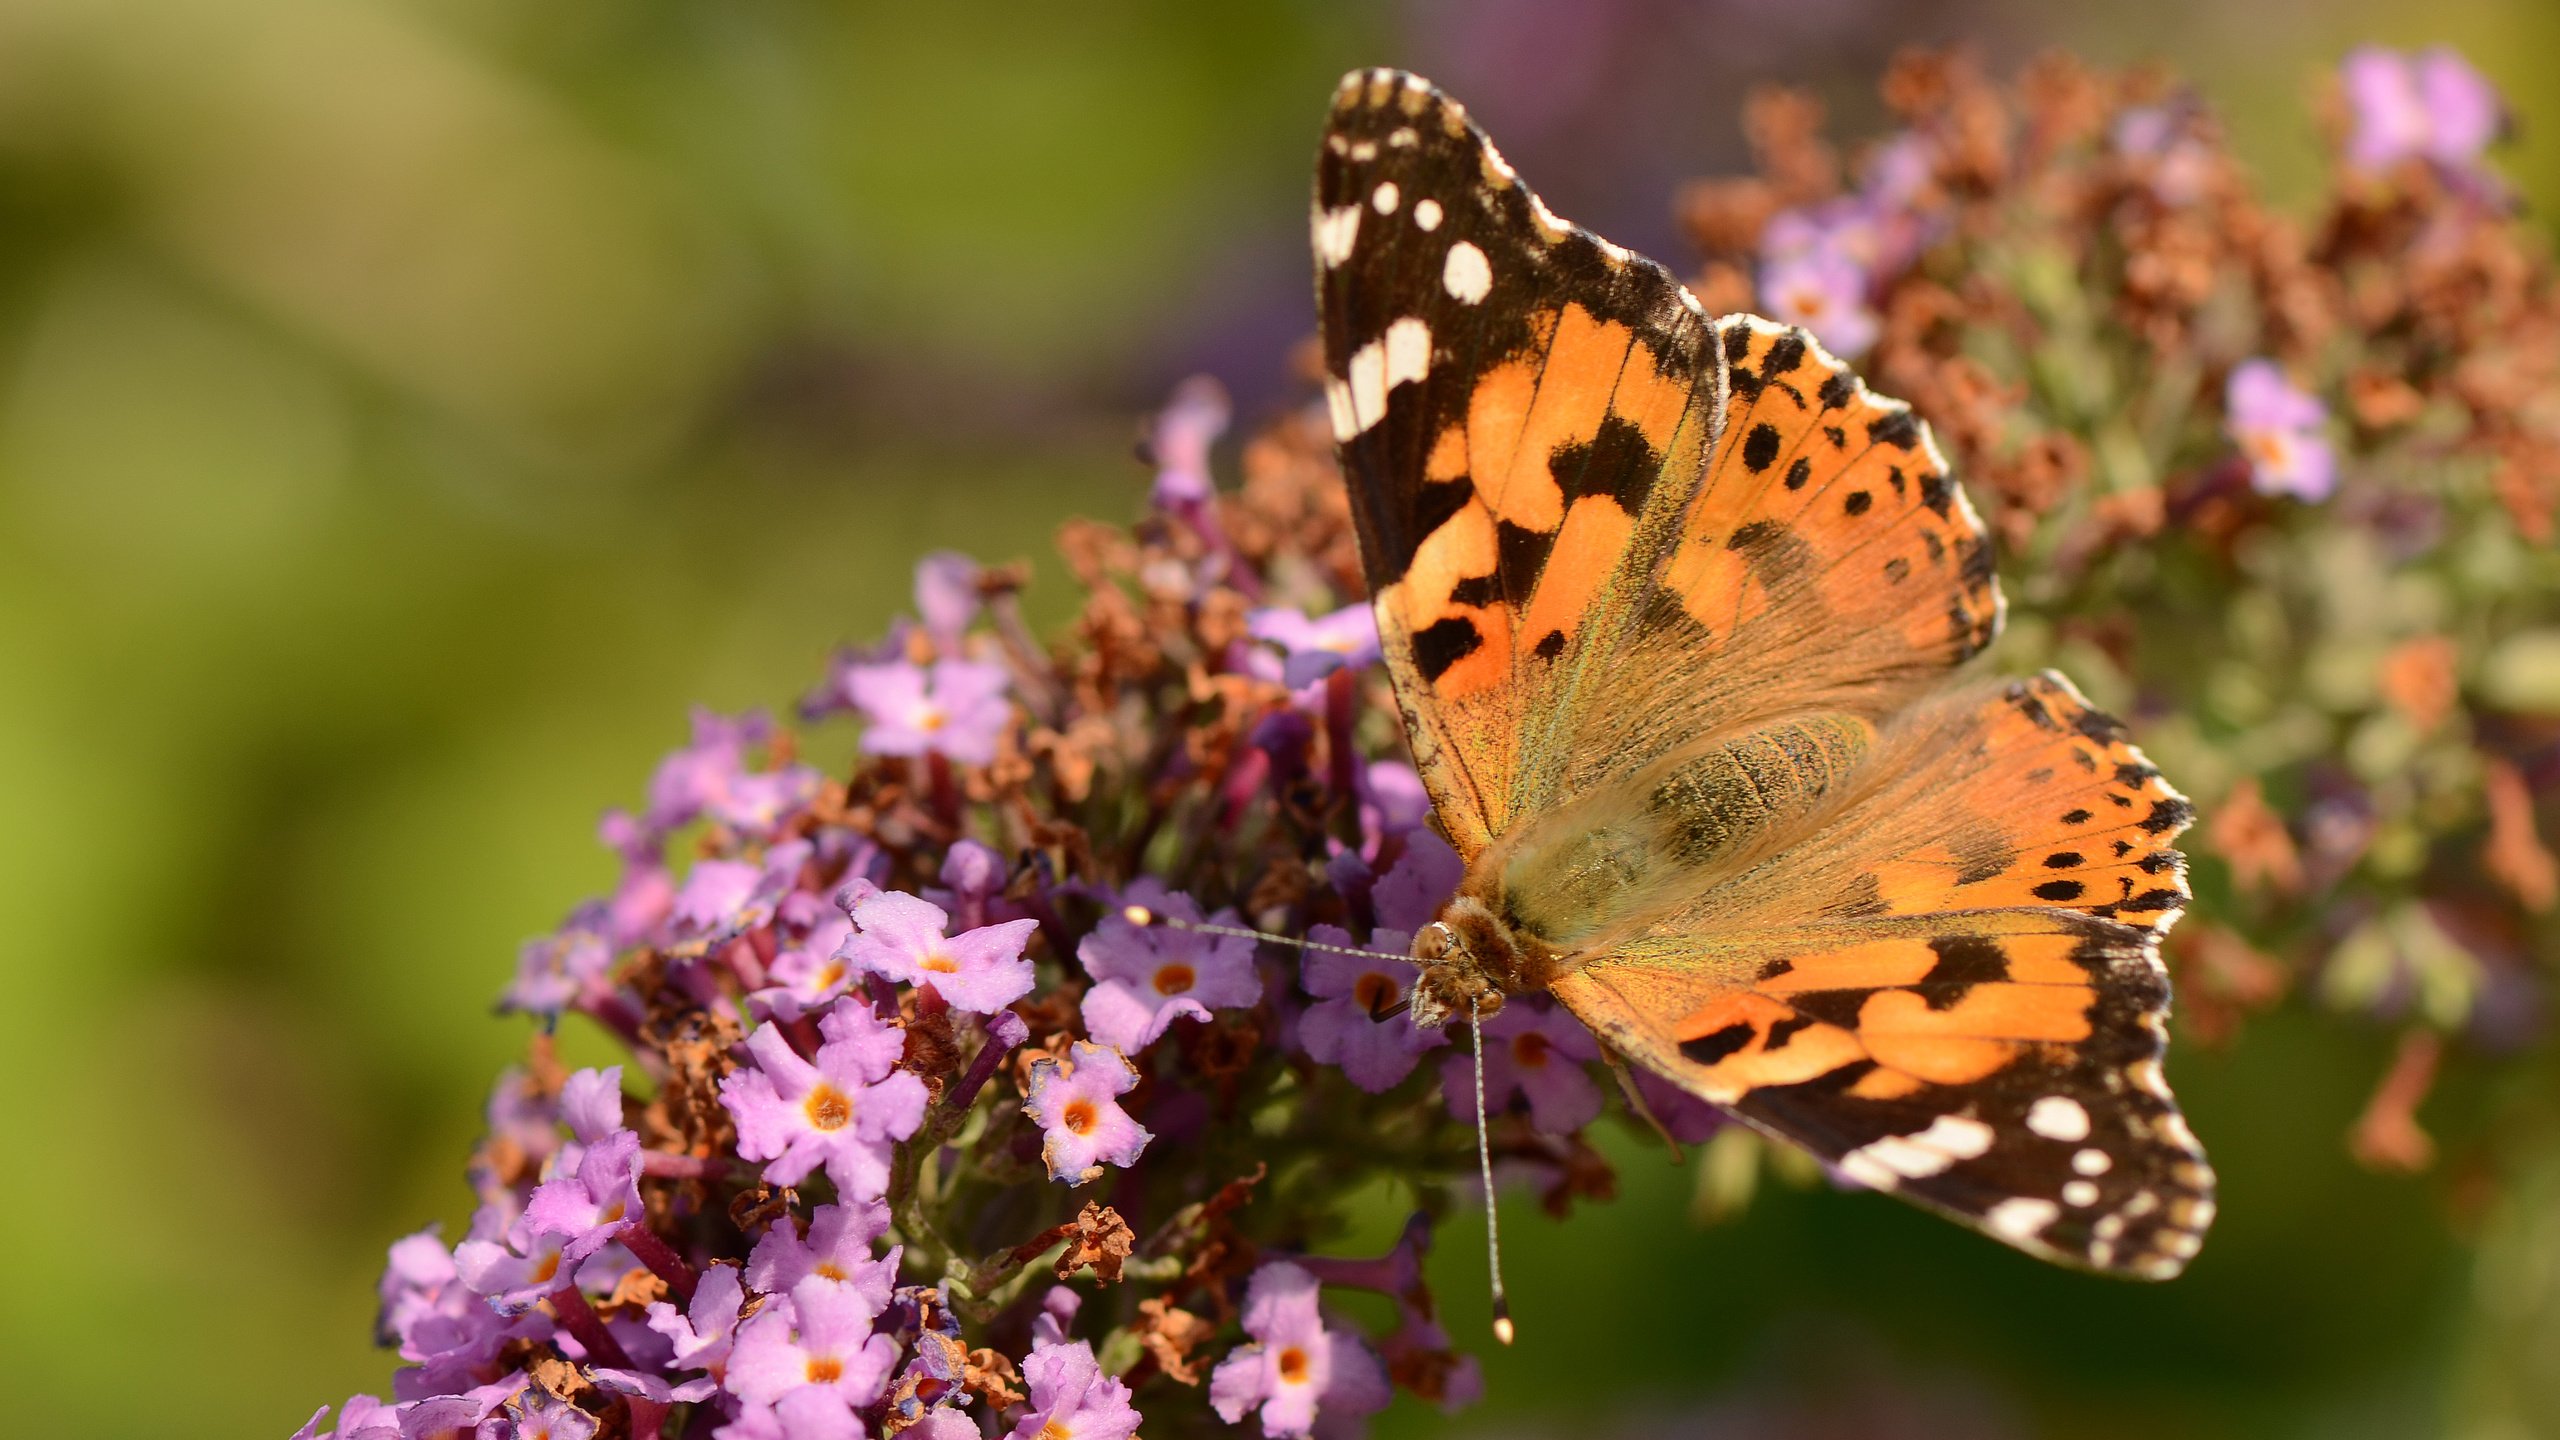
1077 1107
817 1336
808 1413
547 1417
955 708
844 1111
709 778
899 937
947 598
1342 1027
2278 429
812 971
1824 291
1189 424
837 1248
554 971
1532 1052
1071 1399
1295 1369
1315 648
2175 161
1688 1119
2431 106
975 876
1150 976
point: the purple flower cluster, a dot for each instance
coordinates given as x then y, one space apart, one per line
2431 106
902 1038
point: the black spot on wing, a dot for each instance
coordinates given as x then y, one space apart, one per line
1760 447
1444 643
1617 462
1964 961
1718 1045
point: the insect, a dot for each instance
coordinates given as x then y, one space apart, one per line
1673 607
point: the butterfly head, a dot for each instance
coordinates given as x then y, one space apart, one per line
1468 958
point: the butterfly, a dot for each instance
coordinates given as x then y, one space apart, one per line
1672 605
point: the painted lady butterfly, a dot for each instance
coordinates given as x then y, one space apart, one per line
1669 603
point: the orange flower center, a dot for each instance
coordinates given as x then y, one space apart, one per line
1293 1366
1373 992
1810 303
932 719
939 964
1079 1117
2269 449
825 1369
828 1108
1530 1050
1174 979
830 977
1055 1431
829 1269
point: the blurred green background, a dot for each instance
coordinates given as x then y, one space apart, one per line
408 408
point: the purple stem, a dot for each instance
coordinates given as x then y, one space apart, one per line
1005 1030
660 1165
660 1257
1340 693
648 1417
580 1320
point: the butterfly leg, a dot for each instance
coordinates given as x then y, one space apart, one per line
1636 1101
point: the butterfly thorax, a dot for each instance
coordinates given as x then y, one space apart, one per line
1471 958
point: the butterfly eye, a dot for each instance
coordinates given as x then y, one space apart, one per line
1434 942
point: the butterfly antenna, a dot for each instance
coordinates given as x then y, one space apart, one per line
1146 919
1503 1329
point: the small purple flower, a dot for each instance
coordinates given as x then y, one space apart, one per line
947 598
1392 801
2278 429
819 1335
1410 894
1824 291
957 708
1688 1119
722 898
975 876
1539 1053
2173 160
591 1103
1150 976
1190 423
1295 1368
704 1332
837 1249
1077 1106
1315 648
899 937
546 1417
811 973
1351 991
2431 106
588 1210
808 1413
844 1112
556 970
710 778
1071 1399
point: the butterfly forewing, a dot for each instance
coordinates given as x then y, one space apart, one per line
1690 582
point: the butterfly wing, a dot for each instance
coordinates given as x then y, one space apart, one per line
1579 554
1948 985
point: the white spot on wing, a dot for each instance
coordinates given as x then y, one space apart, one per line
1384 197
1468 275
1335 232
2020 1217
2079 1193
2092 1162
2059 1117
1402 354
1426 213
1402 138
1948 1139
1364 151
1337 402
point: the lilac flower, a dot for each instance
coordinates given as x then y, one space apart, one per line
1077 1107
646 1386
2175 162
1687 1119
546 1417
843 1112
591 1103
975 876
808 1413
1150 976
1825 291
1189 425
812 972
899 937
947 598
1351 991
704 1332
710 778
362 1418
722 898
1315 648
818 1335
2430 106
512 1266
1295 1367
1071 1399
554 971
1392 801
1534 1052
957 708
588 1210
2278 429
1410 894
837 1249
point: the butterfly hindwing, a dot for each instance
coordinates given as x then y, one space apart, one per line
1902 987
